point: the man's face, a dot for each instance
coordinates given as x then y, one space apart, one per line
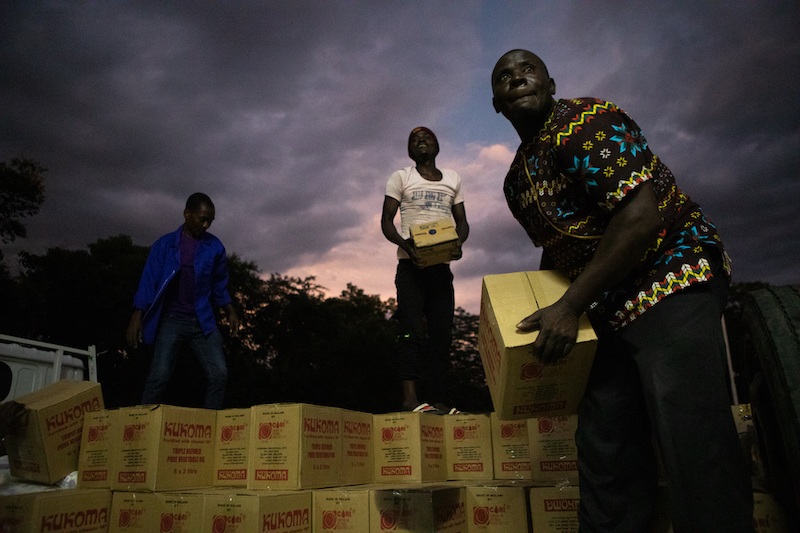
422 143
198 221
521 87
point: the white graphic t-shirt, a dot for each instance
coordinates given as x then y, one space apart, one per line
421 200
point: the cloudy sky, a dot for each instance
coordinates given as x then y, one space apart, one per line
292 116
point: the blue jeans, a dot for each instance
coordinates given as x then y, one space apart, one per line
174 333
425 297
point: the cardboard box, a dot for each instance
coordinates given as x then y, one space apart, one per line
410 449
133 512
554 456
510 448
499 507
44 446
96 455
232 448
146 512
435 242
162 448
555 509
768 516
468 440
65 511
520 385
257 511
342 509
418 509
295 446
357 447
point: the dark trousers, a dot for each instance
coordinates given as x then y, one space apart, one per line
425 295
174 332
663 375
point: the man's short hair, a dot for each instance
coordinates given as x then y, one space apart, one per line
198 200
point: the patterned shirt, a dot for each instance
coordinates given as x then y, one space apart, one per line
564 185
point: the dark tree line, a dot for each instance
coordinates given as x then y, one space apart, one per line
295 345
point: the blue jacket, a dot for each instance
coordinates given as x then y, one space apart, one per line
163 262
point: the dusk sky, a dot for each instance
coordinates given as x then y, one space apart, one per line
293 115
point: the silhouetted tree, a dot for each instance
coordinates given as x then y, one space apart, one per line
21 194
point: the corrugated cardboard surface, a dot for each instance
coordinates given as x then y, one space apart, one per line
555 509
435 242
520 386
554 456
342 509
469 446
499 507
357 447
511 448
295 446
419 509
409 448
254 511
44 446
162 448
65 511
231 447
95 458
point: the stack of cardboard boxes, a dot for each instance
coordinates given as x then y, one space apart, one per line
293 468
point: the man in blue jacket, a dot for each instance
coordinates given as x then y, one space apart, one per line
185 276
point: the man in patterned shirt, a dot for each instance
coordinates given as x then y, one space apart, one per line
651 272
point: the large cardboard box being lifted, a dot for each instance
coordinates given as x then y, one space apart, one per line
435 242
520 385
44 446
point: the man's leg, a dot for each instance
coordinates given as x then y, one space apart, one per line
616 462
439 309
411 331
173 333
209 352
681 359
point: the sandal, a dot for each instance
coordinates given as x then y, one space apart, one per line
425 407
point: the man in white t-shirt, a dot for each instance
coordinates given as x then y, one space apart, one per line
423 193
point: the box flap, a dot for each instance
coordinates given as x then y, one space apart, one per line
55 393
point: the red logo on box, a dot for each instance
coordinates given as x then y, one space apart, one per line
166 523
220 524
388 521
459 433
124 517
329 519
545 425
480 516
264 431
532 370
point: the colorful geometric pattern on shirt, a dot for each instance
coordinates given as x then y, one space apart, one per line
565 184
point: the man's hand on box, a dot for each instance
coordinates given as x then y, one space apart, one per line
411 250
456 254
558 330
